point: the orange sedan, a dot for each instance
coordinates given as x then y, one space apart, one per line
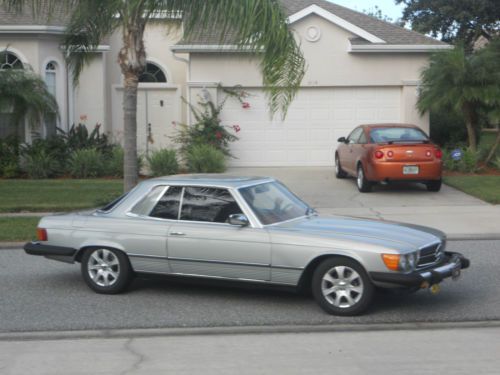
389 152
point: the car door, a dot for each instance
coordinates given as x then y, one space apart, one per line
352 150
203 243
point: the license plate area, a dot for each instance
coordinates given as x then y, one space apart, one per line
410 169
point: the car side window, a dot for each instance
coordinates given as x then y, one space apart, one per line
362 138
212 205
146 204
168 205
354 136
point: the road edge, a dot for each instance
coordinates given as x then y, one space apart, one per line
240 330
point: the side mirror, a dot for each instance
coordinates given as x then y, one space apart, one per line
239 220
342 140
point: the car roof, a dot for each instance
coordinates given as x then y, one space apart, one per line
211 179
389 125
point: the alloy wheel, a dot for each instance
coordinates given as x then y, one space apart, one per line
342 286
103 267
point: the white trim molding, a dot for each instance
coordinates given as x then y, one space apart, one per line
31 29
315 9
398 48
208 48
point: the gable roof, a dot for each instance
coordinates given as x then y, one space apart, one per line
369 31
56 17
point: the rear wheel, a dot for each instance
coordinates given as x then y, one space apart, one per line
364 186
434 185
339 172
342 287
106 271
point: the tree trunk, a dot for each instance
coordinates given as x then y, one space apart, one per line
493 150
130 164
471 126
132 60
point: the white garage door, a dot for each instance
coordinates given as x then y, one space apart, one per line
315 120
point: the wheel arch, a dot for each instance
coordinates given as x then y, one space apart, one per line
79 254
306 277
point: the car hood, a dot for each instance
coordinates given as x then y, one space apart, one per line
387 234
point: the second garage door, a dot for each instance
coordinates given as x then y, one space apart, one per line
315 120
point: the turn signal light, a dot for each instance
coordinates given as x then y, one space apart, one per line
390 154
428 153
439 154
379 154
391 261
41 234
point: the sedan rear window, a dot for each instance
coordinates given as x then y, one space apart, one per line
393 135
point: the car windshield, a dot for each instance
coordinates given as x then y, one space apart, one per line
272 203
392 135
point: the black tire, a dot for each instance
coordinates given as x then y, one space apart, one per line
434 185
364 186
106 270
339 172
359 288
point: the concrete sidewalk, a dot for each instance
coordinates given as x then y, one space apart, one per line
440 351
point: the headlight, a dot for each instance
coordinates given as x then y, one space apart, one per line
401 262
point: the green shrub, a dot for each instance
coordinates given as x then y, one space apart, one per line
39 163
496 163
86 163
9 157
162 162
79 138
469 162
114 162
205 159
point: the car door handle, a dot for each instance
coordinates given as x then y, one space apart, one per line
177 234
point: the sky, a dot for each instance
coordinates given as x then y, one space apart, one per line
388 7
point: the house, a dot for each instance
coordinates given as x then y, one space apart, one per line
359 69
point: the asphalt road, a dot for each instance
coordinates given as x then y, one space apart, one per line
37 294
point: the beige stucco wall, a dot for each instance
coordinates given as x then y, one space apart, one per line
329 64
159 36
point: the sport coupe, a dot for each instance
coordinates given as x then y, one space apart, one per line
250 229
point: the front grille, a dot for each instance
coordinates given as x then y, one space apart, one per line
431 254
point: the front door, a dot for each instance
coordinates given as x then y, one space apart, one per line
202 242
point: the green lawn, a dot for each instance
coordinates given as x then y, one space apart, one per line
18 228
486 188
56 195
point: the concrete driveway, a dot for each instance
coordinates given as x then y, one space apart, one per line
456 213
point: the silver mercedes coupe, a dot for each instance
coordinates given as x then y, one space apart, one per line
250 229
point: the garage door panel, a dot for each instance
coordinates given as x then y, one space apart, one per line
315 120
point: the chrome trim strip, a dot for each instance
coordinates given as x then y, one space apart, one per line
181 202
146 256
219 262
288 268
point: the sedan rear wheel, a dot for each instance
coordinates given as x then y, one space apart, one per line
364 186
106 271
342 287
434 185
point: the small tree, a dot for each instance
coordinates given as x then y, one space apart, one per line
25 96
455 81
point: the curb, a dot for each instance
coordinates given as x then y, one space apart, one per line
11 245
248 330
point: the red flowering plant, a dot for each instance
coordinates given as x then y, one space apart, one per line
208 128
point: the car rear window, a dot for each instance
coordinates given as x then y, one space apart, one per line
392 135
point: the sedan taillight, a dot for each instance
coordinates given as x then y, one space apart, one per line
379 154
41 234
439 153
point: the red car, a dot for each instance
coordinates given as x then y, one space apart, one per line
389 152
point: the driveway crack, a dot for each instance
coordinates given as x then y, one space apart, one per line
140 358
377 213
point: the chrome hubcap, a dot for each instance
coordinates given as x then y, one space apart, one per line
342 286
360 177
103 267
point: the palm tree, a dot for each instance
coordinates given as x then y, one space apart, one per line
258 25
456 81
24 96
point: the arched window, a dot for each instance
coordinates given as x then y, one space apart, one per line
152 74
9 61
51 83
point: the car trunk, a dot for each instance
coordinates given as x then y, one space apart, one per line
407 152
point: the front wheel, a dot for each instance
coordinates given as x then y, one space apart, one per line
342 287
364 186
106 271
